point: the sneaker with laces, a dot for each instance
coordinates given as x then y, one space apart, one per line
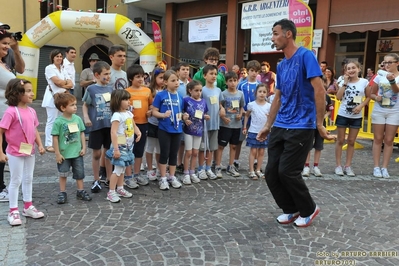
259 174
163 184
306 171
4 195
287 218
218 171
338 171
377 172
83 195
348 171
194 179
14 218
32 212
124 193
106 183
187 179
141 180
384 173
237 165
113 197
96 187
174 182
316 171
231 170
151 175
131 183
62 198
306 221
211 175
103 176
202 175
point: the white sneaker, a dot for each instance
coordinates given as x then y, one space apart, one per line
32 212
306 171
194 179
211 175
218 171
151 175
163 184
141 180
113 197
316 171
202 175
384 173
231 170
130 183
338 171
174 182
223 167
377 172
124 193
187 179
4 195
142 167
348 171
14 218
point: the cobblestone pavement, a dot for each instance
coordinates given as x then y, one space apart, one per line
230 221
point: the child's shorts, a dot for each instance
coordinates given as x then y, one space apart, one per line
126 159
254 143
77 165
100 138
212 141
228 136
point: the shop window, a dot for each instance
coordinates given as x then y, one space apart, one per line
50 6
389 34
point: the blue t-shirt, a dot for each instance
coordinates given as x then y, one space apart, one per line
248 89
297 110
195 109
162 101
99 110
213 98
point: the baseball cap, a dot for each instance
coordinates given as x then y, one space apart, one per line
94 56
4 26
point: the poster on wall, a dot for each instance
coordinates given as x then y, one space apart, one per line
387 46
203 30
260 16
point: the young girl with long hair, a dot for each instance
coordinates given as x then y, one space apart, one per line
168 108
351 92
258 110
156 85
19 123
120 153
196 109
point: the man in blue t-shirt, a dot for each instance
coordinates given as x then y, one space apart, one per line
298 108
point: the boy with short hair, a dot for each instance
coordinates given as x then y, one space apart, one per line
97 115
69 145
183 71
140 101
211 57
230 126
213 97
117 54
248 88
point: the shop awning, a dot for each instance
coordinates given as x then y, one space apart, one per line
366 15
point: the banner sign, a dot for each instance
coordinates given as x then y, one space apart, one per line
260 16
203 30
157 39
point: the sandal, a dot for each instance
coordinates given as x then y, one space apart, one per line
260 174
252 175
50 149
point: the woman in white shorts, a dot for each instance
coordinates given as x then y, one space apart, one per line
385 115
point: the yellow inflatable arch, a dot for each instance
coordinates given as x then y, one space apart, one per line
106 23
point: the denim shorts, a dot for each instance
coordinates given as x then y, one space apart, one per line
341 121
77 165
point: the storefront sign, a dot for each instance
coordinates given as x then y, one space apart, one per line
260 16
203 30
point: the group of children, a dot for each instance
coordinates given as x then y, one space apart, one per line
126 122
